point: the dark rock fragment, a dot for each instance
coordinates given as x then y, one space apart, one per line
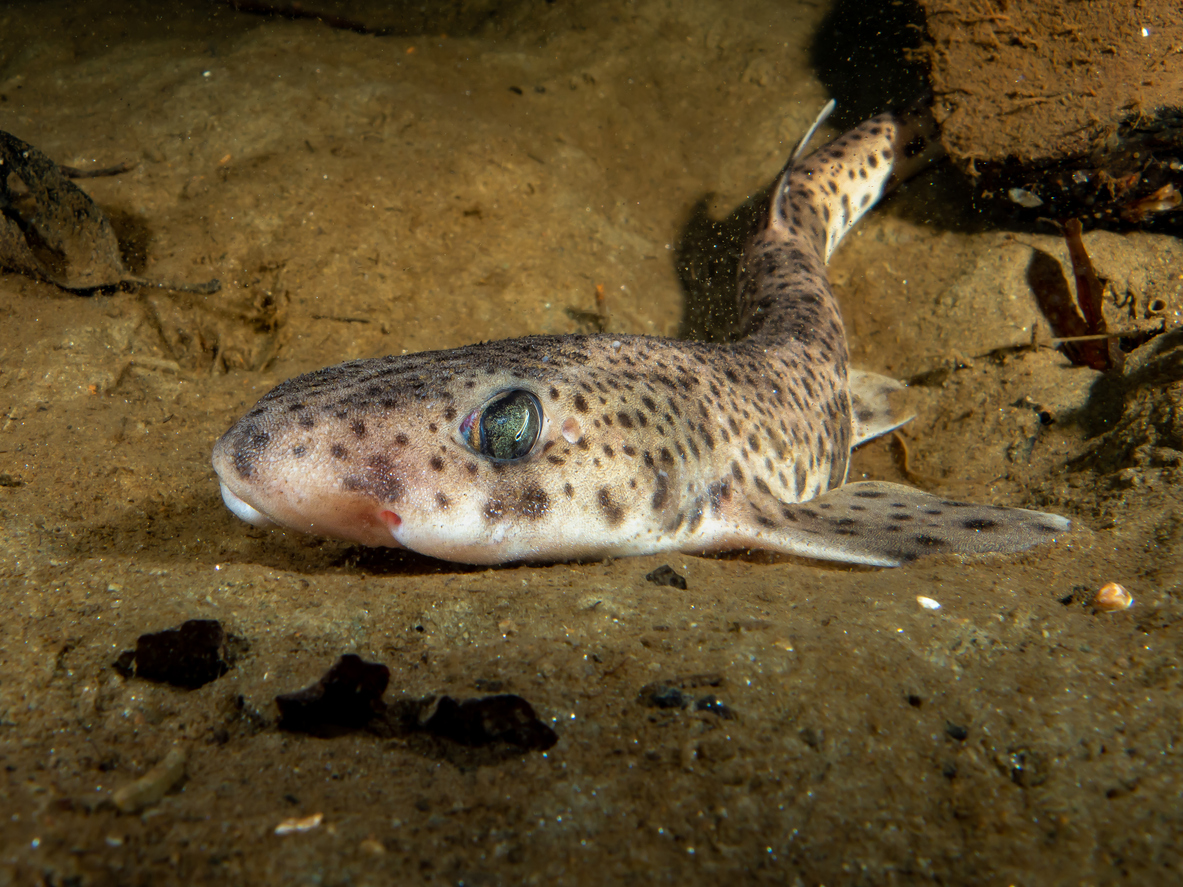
189 656
489 720
665 575
347 698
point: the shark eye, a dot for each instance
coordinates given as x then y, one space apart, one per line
506 428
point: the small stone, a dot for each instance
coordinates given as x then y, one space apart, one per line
665 575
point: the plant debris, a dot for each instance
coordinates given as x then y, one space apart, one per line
53 231
153 785
1080 319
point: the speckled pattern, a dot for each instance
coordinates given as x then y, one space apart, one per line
647 444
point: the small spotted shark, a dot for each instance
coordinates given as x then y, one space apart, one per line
552 448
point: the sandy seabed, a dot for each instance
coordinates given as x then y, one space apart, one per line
361 195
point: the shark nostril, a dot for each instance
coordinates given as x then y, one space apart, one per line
391 520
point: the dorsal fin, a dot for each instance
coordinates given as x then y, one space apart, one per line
821 118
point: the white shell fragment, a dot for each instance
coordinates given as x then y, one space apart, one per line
1112 598
927 602
299 824
1024 198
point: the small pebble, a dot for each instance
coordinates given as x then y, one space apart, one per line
665 575
1112 598
927 602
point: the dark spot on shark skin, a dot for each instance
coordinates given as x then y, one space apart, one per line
846 526
377 479
442 501
338 452
870 494
929 541
246 453
533 502
661 486
494 510
436 463
580 403
612 511
979 523
568 490
358 427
